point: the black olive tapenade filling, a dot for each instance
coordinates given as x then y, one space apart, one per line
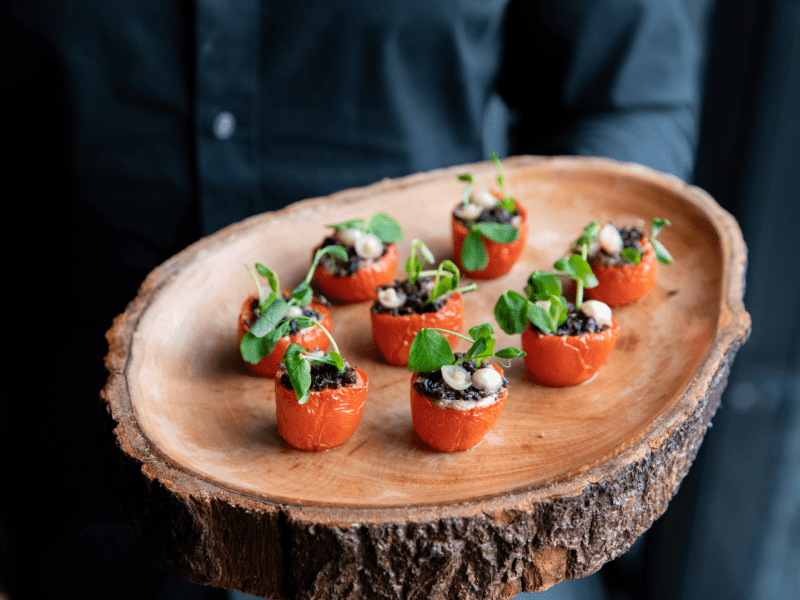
631 238
323 377
416 297
494 214
340 268
309 312
577 323
433 386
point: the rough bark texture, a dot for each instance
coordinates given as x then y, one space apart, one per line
488 548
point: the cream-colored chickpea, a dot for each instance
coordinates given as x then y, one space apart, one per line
456 377
487 379
369 246
599 311
610 239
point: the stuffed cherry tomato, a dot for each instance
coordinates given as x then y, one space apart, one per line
625 263
564 360
454 420
356 282
310 338
329 416
500 256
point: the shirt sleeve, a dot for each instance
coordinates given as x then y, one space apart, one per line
615 78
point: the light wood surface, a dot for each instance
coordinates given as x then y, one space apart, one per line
195 433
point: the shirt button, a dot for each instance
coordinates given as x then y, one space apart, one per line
224 125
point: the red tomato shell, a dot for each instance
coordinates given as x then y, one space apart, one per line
625 284
310 340
393 334
360 286
564 360
502 257
326 420
450 429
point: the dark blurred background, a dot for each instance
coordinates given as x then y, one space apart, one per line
733 531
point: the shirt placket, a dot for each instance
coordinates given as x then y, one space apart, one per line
226 110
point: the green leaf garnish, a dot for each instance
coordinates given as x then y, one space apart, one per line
385 228
381 225
663 256
497 232
473 254
299 371
270 317
359 224
541 285
632 255
658 225
430 350
511 312
541 318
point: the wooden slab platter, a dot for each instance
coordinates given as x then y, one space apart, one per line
567 479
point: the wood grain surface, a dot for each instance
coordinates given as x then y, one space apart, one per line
206 478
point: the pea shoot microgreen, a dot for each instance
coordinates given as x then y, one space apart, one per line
446 276
473 254
663 256
544 304
431 351
298 362
272 324
381 225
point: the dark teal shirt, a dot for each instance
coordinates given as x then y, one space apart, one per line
246 106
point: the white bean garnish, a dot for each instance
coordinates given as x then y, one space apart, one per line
369 246
487 379
482 198
610 239
599 311
390 298
294 312
456 377
468 212
348 237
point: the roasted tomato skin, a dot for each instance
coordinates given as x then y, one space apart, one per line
394 334
360 286
502 257
327 420
625 284
450 429
310 340
564 360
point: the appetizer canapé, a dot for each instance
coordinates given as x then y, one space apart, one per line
456 398
425 299
319 398
370 262
266 321
625 262
565 343
489 229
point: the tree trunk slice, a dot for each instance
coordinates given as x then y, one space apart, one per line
567 479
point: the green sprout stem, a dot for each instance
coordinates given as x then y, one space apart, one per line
258 286
325 331
579 283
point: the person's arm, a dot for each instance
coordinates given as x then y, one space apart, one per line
616 78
